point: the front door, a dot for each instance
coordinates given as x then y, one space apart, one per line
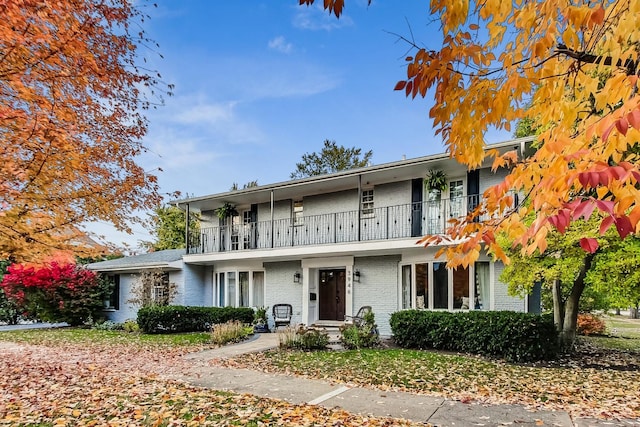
332 294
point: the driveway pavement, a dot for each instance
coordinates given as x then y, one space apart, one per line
37 325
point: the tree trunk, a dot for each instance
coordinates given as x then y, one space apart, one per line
617 311
633 312
558 305
568 333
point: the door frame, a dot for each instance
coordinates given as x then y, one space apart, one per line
311 279
341 292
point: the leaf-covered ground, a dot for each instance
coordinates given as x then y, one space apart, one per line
591 383
64 380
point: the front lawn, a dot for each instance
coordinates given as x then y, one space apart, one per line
56 336
83 377
592 384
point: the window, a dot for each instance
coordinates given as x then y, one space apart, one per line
258 288
422 285
113 303
440 285
432 285
456 199
239 289
406 287
160 290
297 212
235 233
246 230
243 288
231 288
461 288
220 291
482 286
367 203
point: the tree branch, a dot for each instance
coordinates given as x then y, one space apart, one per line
630 65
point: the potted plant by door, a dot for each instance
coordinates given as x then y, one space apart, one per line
260 324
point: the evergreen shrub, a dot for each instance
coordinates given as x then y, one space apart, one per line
178 318
515 337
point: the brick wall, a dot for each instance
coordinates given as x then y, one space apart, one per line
504 301
126 311
280 289
377 288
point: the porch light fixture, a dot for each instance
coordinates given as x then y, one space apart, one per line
297 277
356 276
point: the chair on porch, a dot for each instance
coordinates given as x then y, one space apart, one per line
282 314
358 319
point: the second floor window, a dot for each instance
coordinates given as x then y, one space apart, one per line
297 212
367 203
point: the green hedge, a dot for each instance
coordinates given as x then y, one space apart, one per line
516 337
176 318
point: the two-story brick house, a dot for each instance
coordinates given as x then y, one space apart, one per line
333 243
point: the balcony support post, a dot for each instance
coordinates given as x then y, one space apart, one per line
359 207
186 230
272 230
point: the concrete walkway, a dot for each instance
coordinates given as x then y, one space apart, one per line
421 408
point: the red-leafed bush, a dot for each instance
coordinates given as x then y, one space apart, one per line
590 324
55 292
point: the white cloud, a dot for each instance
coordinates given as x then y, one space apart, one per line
316 18
280 44
207 114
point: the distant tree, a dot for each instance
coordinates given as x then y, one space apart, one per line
167 226
250 184
616 274
332 158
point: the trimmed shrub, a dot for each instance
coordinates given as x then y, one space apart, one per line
590 324
516 337
178 318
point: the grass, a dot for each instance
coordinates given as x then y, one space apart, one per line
623 334
58 336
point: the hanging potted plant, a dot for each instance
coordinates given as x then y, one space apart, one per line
436 180
226 210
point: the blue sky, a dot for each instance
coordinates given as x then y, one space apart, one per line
260 83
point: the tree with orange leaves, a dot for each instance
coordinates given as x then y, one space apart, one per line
72 101
573 67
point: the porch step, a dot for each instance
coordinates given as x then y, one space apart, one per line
332 328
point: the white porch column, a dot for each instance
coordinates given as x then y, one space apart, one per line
305 295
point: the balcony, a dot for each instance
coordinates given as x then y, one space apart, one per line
392 222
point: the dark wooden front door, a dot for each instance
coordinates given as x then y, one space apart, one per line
332 294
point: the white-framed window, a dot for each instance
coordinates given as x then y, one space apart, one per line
246 230
239 288
431 285
366 203
297 212
160 290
